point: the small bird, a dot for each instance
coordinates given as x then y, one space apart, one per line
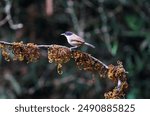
75 40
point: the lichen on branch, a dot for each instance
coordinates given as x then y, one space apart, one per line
60 55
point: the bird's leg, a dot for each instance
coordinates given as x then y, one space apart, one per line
74 47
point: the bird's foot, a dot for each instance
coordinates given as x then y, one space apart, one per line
71 48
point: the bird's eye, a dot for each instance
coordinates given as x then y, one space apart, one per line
68 33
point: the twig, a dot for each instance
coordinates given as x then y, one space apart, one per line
8 17
39 46
6 43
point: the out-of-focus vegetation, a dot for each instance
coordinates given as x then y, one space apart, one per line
119 29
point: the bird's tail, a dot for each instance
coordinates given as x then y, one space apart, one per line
89 45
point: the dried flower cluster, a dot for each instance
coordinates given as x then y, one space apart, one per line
116 73
115 93
61 55
30 52
88 63
5 53
20 51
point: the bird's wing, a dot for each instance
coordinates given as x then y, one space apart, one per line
79 39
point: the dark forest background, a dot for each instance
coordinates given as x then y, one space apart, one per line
120 30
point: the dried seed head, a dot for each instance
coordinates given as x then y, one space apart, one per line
86 62
31 52
58 54
116 72
101 69
21 51
18 51
83 60
5 54
59 69
114 94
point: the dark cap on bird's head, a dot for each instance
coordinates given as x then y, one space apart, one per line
67 33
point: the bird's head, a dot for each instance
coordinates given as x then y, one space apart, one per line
67 33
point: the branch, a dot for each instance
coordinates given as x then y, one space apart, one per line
60 55
8 17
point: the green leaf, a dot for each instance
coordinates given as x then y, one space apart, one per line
134 22
112 47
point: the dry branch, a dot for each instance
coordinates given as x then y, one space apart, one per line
61 55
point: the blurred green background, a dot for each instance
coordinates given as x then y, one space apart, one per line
120 30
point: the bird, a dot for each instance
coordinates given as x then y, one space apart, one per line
75 40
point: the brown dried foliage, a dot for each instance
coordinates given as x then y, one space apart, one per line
61 55
115 93
29 51
5 53
116 73
88 63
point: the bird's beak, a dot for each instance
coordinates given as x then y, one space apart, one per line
62 34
